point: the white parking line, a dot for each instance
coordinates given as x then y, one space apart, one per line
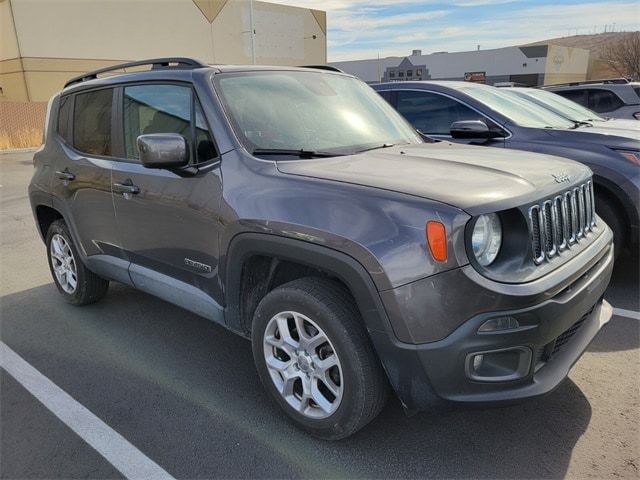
126 458
621 312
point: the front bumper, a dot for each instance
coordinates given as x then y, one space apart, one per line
428 373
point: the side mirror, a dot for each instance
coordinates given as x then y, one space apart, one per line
163 150
471 130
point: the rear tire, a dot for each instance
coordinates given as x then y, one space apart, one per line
607 211
77 284
351 392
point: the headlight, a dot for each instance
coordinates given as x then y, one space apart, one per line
633 157
486 238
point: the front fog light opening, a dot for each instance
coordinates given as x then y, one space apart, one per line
498 324
503 365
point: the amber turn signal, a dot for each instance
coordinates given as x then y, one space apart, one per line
437 240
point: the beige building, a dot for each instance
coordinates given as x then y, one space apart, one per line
43 43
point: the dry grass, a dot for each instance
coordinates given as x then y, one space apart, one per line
25 138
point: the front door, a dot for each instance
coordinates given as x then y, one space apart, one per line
169 221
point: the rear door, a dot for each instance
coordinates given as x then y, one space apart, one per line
82 178
168 219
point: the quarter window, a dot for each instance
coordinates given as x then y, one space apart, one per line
92 122
432 113
63 119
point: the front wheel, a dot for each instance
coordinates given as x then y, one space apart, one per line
315 359
611 217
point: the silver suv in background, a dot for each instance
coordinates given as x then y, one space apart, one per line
617 98
574 111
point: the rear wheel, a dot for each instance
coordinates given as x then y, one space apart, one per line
315 359
77 284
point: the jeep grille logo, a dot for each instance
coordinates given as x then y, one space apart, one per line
561 177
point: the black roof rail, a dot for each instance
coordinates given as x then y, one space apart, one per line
181 63
608 81
323 67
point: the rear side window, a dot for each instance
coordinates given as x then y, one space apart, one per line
63 119
637 90
603 100
432 113
578 96
92 122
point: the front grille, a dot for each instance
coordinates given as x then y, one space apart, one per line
547 352
558 223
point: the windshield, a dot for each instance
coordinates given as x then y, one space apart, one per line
519 110
311 111
561 105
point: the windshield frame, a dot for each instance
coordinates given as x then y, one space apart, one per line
249 146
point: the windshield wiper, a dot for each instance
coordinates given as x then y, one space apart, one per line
302 153
384 145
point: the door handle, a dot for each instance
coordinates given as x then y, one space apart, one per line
127 187
65 175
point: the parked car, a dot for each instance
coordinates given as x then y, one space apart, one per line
616 98
296 208
484 115
574 111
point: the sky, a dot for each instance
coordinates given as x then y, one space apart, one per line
359 29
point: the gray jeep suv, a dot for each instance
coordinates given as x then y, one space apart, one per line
296 208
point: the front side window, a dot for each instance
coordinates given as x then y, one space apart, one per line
155 109
431 113
316 111
92 122
603 100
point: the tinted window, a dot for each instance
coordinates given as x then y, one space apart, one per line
432 113
603 100
63 119
155 109
637 90
92 122
205 149
577 96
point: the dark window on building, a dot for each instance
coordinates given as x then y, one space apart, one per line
401 74
578 96
432 113
409 73
419 72
64 111
392 74
92 122
603 100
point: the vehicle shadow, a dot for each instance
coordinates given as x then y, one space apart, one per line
185 392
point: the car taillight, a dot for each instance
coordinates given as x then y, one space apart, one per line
437 240
636 115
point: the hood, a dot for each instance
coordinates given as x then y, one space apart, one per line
475 179
632 126
609 137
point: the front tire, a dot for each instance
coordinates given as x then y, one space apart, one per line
315 359
77 284
607 212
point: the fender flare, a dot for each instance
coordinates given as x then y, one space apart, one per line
342 266
399 360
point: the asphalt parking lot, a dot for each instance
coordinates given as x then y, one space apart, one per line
183 391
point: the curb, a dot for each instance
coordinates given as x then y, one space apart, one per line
18 150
